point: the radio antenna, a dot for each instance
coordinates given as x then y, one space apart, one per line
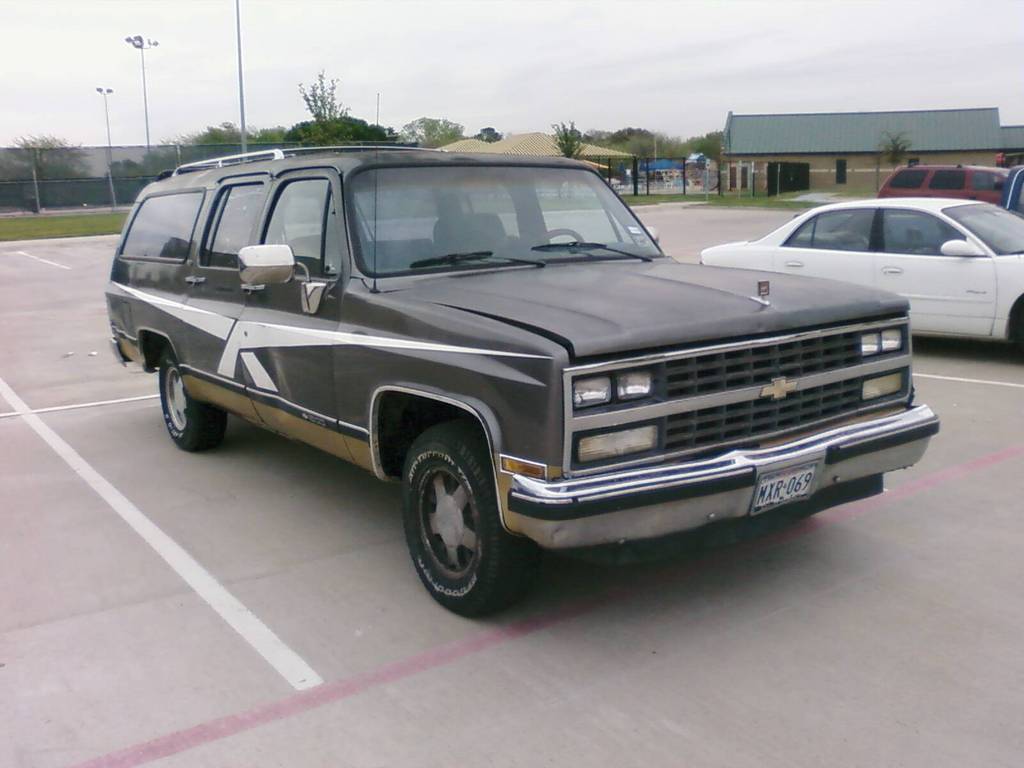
376 182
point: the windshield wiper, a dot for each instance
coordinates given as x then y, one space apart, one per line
457 258
580 246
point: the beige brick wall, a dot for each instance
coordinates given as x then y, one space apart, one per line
862 171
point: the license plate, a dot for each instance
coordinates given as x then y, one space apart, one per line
782 487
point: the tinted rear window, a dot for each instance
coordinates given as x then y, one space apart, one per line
162 227
907 179
986 181
948 180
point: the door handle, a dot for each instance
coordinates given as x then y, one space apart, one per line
194 280
892 271
252 288
794 264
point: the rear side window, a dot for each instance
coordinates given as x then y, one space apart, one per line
836 231
948 180
915 232
237 210
986 181
907 180
163 227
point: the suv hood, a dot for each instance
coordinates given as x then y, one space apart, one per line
605 307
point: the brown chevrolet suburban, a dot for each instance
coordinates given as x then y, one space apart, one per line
504 337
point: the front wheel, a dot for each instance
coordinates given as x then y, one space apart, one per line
192 425
463 556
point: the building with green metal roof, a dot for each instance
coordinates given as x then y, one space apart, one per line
845 151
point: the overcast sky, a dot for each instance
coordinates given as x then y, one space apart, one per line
676 67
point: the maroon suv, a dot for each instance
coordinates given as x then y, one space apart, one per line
963 181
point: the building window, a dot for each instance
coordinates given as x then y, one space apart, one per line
841 171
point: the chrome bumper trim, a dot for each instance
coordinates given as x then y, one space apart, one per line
686 495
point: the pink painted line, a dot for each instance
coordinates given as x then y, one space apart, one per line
440 656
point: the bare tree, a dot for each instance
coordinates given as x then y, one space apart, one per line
568 139
322 100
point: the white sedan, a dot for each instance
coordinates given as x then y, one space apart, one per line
959 262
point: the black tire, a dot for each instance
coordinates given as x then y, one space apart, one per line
1018 331
471 581
192 425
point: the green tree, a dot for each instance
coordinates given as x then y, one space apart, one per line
489 135
893 147
568 139
229 133
321 99
340 130
431 132
53 157
709 145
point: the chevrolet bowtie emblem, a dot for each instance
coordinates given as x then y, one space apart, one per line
778 389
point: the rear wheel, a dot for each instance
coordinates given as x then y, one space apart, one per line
463 556
192 425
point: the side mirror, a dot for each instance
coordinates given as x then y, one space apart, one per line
266 264
655 234
960 248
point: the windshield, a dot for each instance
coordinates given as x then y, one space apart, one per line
999 229
418 218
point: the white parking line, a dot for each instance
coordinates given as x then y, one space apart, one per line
1012 384
40 259
257 634
54 408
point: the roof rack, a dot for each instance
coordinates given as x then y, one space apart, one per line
220 162
281 154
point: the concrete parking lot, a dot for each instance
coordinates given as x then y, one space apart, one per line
255 605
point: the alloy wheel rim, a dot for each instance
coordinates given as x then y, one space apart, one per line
176 402
449 523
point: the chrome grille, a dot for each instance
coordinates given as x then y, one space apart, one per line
721 371
754 418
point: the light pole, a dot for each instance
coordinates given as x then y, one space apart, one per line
143 45
241 88
105 92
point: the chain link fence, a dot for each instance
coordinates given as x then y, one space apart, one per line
94 177
35 180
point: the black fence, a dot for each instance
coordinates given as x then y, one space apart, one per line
102 177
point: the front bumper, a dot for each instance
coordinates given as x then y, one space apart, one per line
656 501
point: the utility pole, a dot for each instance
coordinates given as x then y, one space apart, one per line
143 45
105 92
241 85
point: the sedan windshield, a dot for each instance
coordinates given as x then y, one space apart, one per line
428 218
999 229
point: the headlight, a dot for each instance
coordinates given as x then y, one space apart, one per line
880 386
612 444
889 340
592 391
633 384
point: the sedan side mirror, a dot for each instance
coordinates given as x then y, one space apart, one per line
266 264
654 233
960 248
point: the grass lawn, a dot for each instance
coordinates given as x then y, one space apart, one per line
38 227
726 201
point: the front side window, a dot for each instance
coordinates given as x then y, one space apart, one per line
444 217
238 207
915 232
999 229
907 180
163 226
948 180
303 210
836 231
